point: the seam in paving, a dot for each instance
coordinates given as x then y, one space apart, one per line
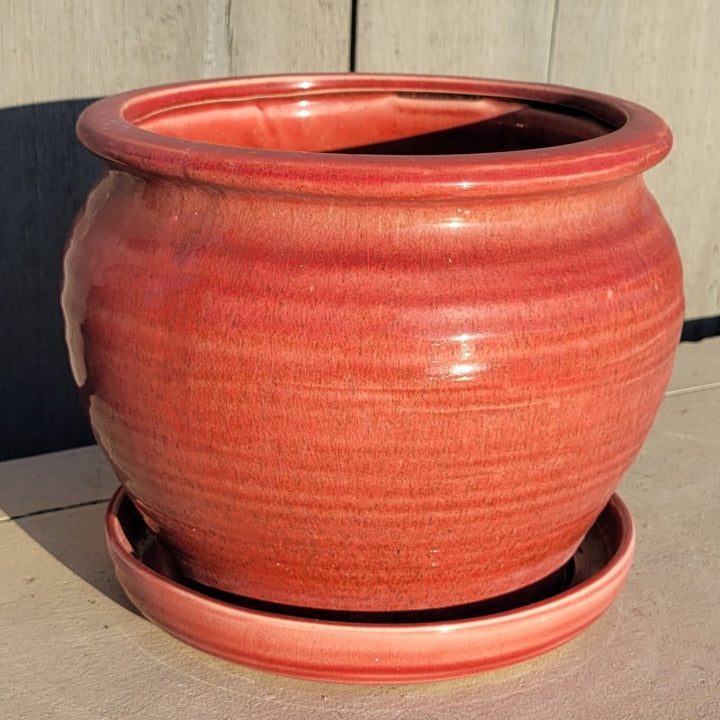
693 389
59 508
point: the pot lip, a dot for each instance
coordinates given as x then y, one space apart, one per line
641 140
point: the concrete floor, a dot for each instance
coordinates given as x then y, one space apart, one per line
73 646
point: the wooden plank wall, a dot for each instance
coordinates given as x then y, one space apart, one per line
509 39
665 55
660 53
56 55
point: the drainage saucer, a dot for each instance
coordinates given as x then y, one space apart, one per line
376 647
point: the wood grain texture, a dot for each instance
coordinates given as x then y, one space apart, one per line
51 50
56 50
665 55
284 36
54 53
485 39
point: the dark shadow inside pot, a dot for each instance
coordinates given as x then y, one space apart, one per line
529 128
378 123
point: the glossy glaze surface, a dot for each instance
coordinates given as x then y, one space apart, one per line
368 652
363 381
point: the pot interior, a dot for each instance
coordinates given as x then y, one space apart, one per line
376 123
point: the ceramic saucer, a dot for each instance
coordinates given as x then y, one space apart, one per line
380 648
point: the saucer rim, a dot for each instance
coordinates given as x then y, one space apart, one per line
412 652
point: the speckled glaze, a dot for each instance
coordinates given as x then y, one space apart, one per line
371 342
373 652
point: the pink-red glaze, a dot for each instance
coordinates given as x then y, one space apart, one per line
373 652
368 381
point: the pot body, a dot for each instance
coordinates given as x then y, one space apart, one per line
370 403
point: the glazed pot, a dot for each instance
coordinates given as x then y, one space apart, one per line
371 343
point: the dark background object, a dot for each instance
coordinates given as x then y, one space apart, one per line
44 178
700 328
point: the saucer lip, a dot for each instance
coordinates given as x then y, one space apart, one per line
613 571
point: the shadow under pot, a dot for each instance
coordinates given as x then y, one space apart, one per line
371 343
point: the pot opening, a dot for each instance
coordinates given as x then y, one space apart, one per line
376 123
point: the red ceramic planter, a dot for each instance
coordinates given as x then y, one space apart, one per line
371 342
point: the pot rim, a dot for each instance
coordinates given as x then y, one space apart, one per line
641 139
